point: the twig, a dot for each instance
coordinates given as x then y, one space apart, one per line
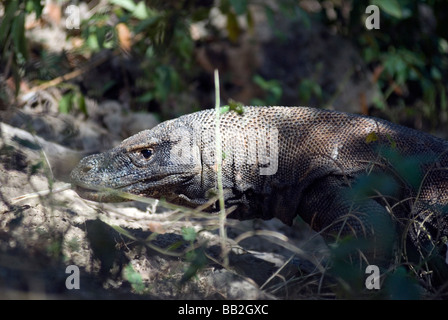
69 76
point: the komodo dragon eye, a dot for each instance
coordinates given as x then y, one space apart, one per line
140 157
146 153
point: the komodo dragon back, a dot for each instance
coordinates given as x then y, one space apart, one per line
285 162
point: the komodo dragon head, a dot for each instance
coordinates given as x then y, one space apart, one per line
160 162
176 161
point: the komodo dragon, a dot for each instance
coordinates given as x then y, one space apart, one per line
285 162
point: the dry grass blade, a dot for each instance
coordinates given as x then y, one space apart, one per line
41 193
276 273
218 152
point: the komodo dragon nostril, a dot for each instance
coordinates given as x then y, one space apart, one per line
86 169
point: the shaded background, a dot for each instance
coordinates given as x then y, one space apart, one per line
159 56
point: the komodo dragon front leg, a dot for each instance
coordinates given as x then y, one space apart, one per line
328 207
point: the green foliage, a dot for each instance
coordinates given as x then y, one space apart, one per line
12 35
189 234
161 36
134 278
71 99
197 260
196 256
392 7
371 185
159 40
98 34
408 263
309 88
235 106
273 91
409 55
400 285
409 59
406 167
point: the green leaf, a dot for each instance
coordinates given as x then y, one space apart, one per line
16 75
272 87
122 231
250 20
146 97
233 28
146 23
368 185
393 143
407 168
65 104
236 106
401 286
101 36
435 73
27 144
175 245
189 234
18 34
307 88
198 260
391 7
371 137
92 42
224 109
6 20
126 4
134 278
260 82
141 11
36 167
240 6
36 6
81 101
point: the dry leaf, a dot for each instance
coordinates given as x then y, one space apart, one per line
53 13
124 36
156 227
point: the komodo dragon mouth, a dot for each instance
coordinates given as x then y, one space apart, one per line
100 194
147 187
